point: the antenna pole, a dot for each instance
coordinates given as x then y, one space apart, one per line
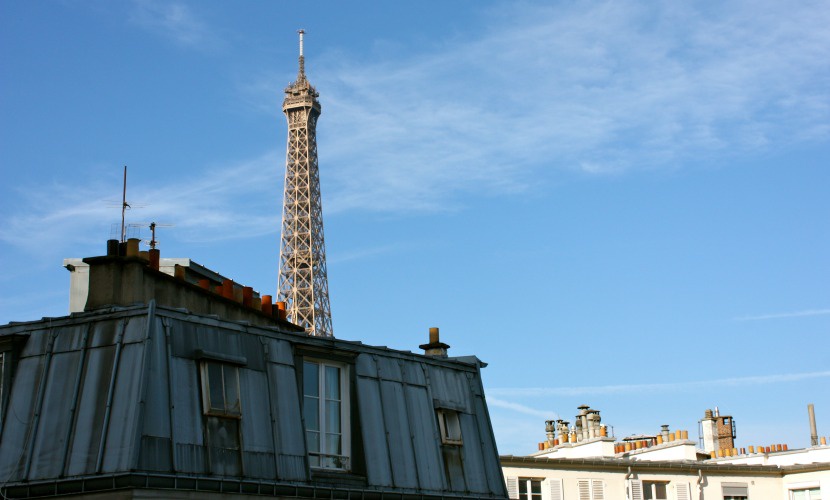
124 207
301 75
153 238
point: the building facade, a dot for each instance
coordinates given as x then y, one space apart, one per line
585 462
163 388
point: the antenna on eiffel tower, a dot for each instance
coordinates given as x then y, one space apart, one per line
301 72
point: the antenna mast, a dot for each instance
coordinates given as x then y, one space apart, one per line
301 75
124 207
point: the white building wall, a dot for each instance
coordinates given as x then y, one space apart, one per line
807 480
820 454
708 486
683 450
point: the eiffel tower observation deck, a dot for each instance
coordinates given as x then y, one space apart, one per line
303 283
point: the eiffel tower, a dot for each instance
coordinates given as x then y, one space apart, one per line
303 283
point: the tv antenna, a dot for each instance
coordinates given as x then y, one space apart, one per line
124 231
137 226
124 207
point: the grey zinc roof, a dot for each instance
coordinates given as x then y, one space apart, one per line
118 391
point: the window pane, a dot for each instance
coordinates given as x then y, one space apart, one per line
311 379
333 416
332 382
313 438
333 444
216 392
311 411
536 487
522 485
660 490
232 404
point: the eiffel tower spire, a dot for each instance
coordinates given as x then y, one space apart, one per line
303 283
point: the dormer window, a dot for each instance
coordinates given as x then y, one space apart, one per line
326 413
222 409
449 426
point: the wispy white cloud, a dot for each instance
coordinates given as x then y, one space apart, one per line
234 201
596 87
516 407
643 388
796 314
174 20
361 253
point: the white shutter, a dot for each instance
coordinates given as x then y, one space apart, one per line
584 487
636 488
513 488
597 489
683 491
555 489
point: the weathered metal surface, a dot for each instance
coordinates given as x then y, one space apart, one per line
54 416
450 388
396 420
378 467
122 393
424 437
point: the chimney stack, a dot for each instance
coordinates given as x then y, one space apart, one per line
811 411
435 348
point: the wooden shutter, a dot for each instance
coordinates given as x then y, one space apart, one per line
636 488
556 489
584 487
684 491
597 489
513 488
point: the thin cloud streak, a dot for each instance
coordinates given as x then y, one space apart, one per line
360 254
598 88
221 204
176 21
508 405
641 388
797 314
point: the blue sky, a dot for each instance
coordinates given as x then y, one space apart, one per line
612 203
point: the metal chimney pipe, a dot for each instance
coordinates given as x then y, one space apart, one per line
813 432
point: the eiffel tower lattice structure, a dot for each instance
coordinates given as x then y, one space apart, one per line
303 282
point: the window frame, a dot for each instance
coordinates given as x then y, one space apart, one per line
208 408
793 489
213 417
343 461
449 426
529 483
734 490
650 485
10 347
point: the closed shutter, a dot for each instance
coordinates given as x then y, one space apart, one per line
556 489
513 488
636 488
584 487
684 491
598 489
734 489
